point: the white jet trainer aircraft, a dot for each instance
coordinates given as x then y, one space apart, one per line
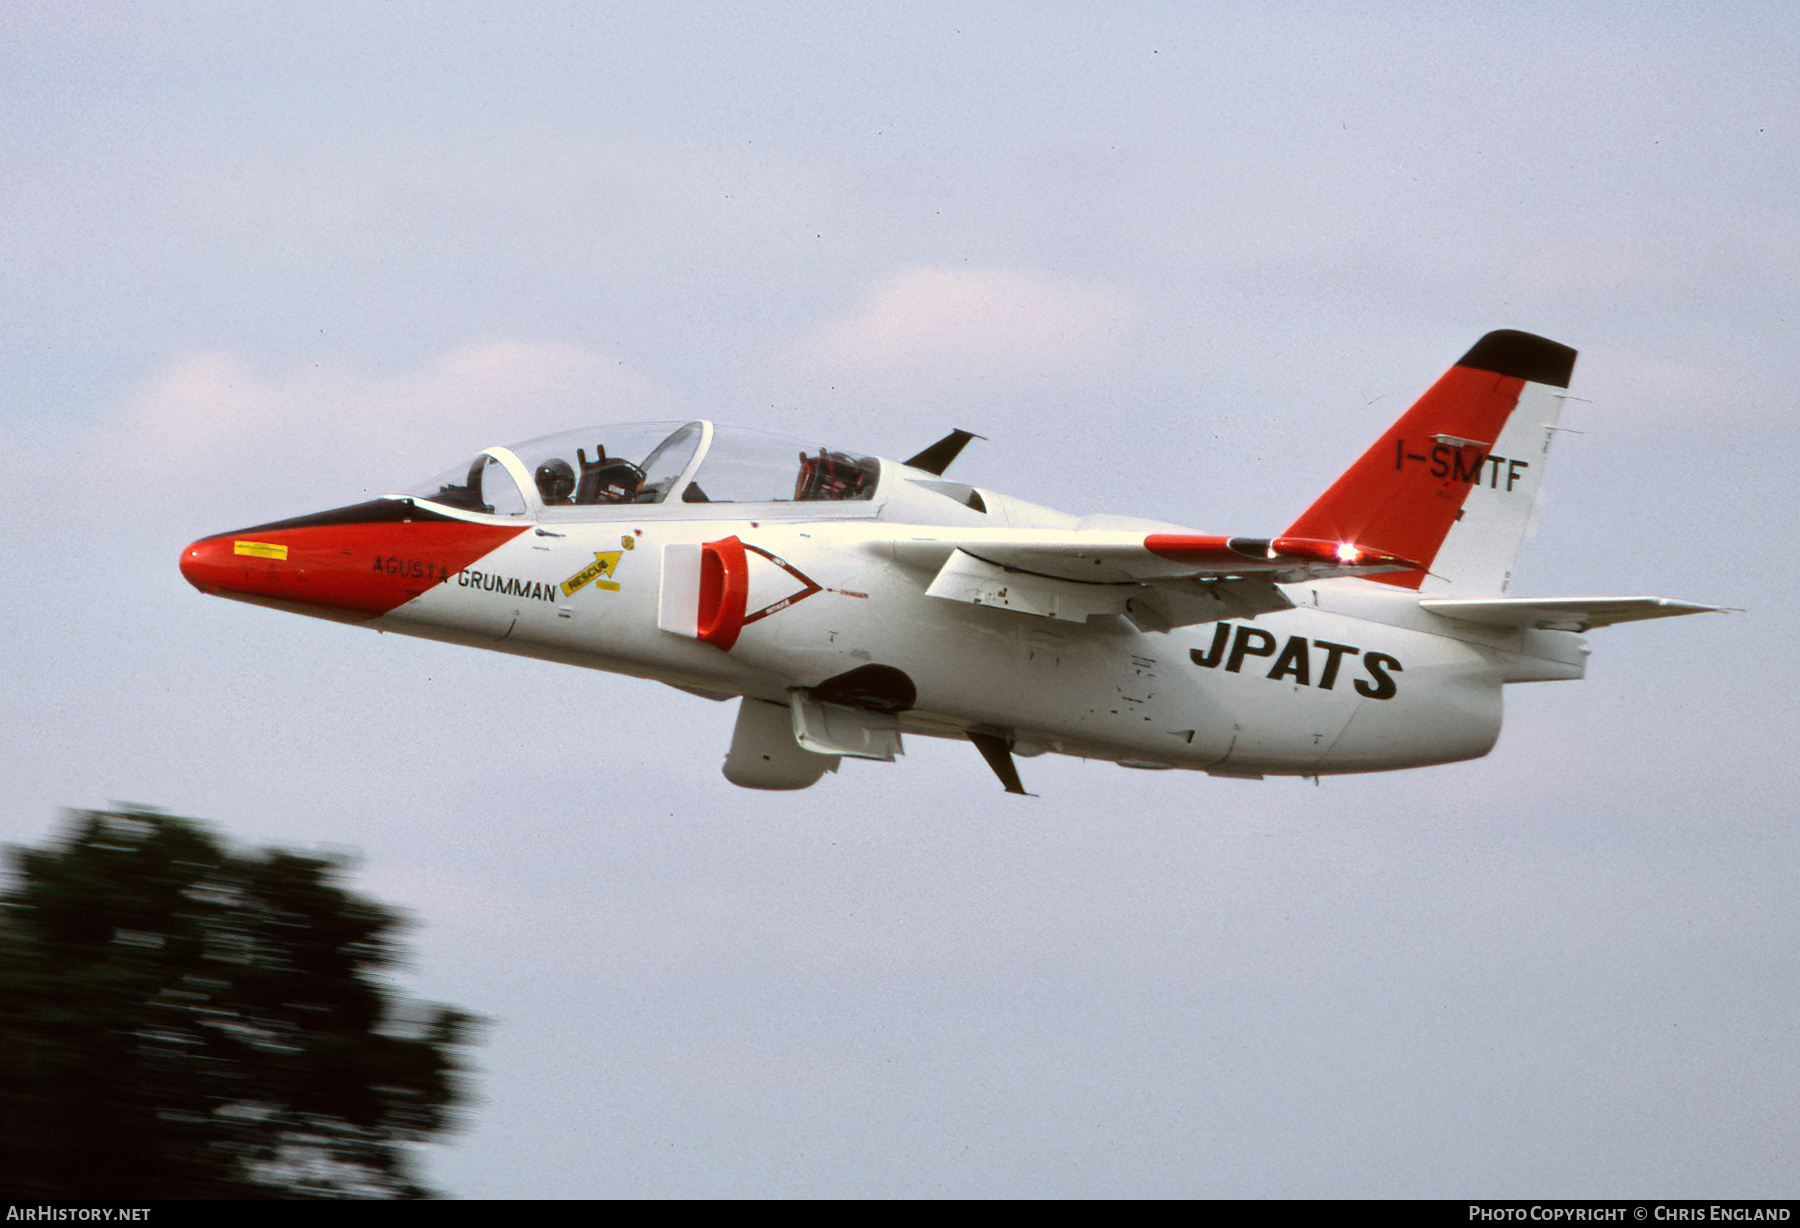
848 599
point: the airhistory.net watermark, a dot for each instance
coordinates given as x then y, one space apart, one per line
51 1214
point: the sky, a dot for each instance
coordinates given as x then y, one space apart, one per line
1173 261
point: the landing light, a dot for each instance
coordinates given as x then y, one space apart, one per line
1347 553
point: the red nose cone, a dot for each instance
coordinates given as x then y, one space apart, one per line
354 564
268 565
207 564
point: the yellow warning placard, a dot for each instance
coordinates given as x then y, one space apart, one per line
262 550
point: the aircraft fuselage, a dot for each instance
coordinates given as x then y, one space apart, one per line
849 600
1352 679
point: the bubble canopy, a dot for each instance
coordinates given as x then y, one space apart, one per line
575 472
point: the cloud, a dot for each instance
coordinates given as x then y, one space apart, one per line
326 432
1005 323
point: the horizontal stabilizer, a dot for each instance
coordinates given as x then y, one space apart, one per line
1561 613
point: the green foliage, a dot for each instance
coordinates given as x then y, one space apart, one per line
180 1021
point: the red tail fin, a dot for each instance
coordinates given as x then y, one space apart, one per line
1463 457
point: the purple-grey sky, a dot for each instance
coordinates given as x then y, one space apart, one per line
1172 261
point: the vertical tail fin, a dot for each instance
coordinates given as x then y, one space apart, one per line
1454 483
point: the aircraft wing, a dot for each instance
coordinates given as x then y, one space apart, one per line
1159 580
1107 556
1560 613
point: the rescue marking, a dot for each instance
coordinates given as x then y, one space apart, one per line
261 550
1295 660
606 563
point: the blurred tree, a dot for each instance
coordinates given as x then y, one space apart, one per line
179 1021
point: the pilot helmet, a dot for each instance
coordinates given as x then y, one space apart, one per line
556 480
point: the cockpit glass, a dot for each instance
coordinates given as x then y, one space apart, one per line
663 466
644 463
744 466
594 466
499 489
482 485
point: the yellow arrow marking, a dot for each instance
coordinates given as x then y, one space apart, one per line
606 563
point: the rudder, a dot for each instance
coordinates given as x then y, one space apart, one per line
1453 484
